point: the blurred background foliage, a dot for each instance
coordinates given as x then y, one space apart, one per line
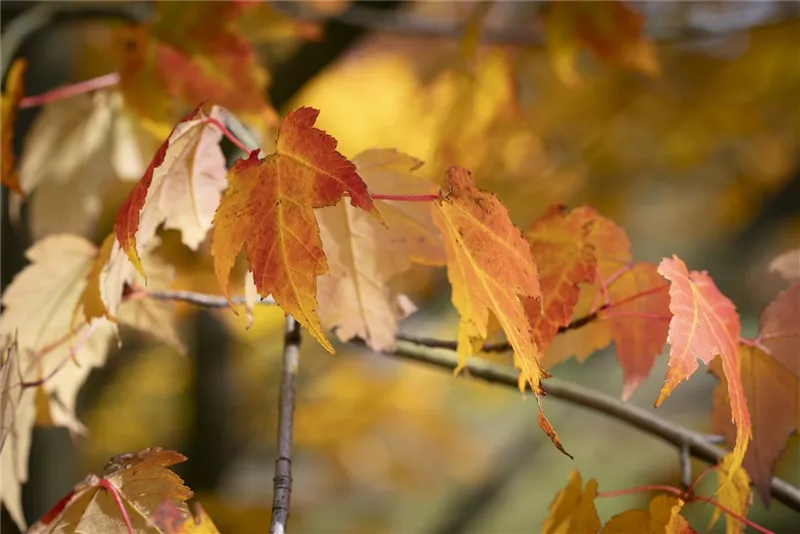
690 143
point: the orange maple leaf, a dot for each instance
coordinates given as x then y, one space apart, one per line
611 30
771 383
136 483
9 101
490 268
562 250
637 316
191 52
705 325
268 209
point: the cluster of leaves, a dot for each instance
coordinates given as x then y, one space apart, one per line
330 265
573 509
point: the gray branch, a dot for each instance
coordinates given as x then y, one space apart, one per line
282 482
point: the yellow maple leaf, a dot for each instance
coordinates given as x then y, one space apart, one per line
662 517
573 509
490 268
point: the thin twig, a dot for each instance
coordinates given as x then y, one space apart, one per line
201 299
685 458
282 482
637 417
502 346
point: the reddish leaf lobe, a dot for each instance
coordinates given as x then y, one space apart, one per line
705 324
561 249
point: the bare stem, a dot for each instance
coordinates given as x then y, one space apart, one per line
198 299
282 482
644 420
67 91
502 346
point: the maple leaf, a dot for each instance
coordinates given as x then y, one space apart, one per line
735 496
95 143
39 307
9 101
180 188
638 326
18 413
138 482
705 325
787 264
172 520
60 265
573 508
661 517
561 248
268 209
189 53
771 383
112 275
611 30
490 268
364 255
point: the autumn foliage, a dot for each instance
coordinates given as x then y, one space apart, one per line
292 220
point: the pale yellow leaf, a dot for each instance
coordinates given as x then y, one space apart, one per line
356 297
185 189
39 306
75 150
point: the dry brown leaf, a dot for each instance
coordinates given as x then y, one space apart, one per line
18 415
364 255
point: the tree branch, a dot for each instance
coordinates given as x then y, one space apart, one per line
201 299
644 420
429 352
502 346
282 482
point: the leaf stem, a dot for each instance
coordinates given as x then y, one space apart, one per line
638 295
703 473
232 138
282 481
109 487
67 91
405 198
728 511
635 315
